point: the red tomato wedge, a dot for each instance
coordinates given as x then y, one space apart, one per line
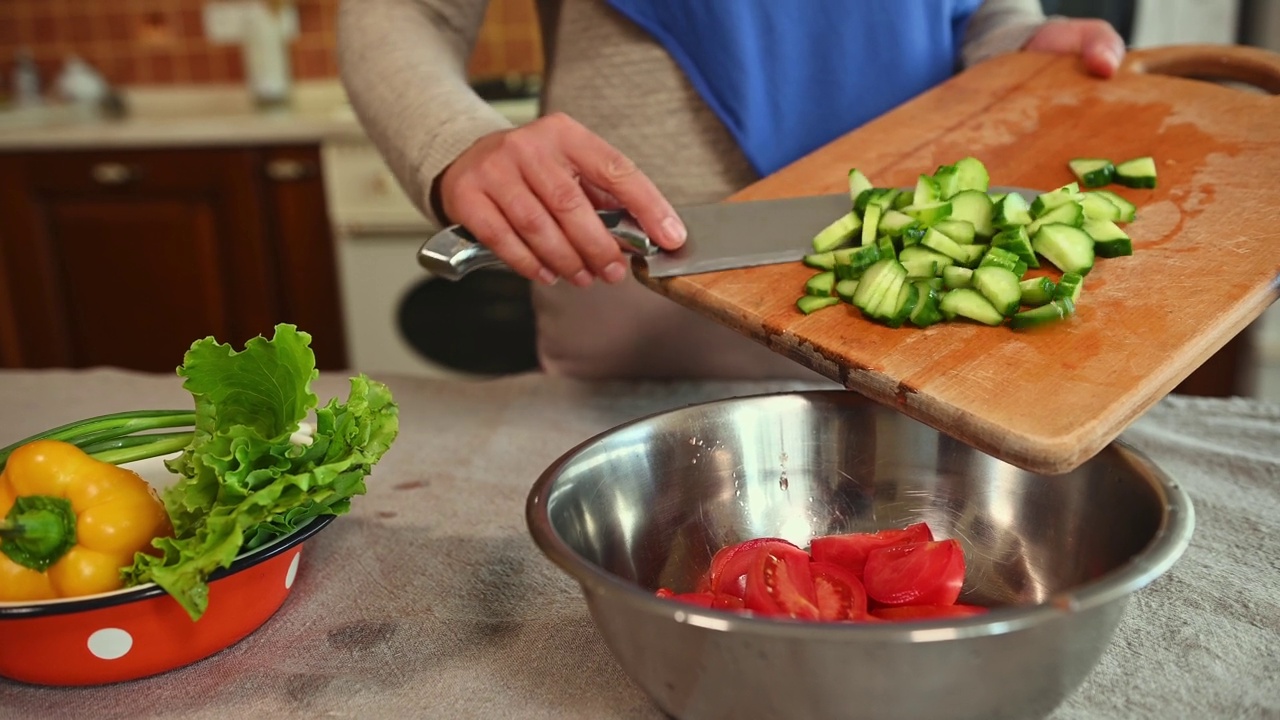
839 593
850 550
927 612
923 573
779 583
733 562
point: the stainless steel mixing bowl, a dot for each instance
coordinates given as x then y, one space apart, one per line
647 504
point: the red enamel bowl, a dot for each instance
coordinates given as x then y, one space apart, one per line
142 631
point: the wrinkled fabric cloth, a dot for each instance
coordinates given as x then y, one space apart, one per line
430 600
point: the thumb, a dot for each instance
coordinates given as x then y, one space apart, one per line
1095 42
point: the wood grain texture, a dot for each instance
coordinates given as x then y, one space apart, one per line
1206 262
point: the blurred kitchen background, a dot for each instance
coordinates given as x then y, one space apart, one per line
214 178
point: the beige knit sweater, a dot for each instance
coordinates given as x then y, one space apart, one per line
403 63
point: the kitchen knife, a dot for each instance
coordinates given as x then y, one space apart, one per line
722 236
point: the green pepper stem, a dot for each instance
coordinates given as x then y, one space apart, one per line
38 531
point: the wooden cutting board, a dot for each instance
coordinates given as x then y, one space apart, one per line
1206 248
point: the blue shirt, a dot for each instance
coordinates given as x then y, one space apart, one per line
788 76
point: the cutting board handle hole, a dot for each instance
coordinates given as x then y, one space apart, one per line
1246 68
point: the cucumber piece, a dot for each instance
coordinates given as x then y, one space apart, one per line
1069 213
888 305
971 174
902 200
821 284
1052 312
1070 249
930 214
1096 206
920 269
1002 258
948 179
1037 290
1109 240
959 230
858 184
1012 210
820 261
850 262
1000 287
954 276
920 252
1137 173
838 233
811 303
974 207
973 254
1128 211
935 283
886 247
926 312
935 240
996 197
969 303
845 289
926 191
868 197
913 235
871 223
895 222
1016 241
1092 172
1045 202
908 298
1069 287
875 282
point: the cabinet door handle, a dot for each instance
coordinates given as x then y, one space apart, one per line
285 170
114 173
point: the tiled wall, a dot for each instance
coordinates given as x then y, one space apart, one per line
162 41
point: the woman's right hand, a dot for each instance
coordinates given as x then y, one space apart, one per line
530 195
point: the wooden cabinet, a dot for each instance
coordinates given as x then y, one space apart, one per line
124 258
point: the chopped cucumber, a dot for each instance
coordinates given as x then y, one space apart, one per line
926 312
820 261
812 303
935 240
888 305
850 262
954 276
913 235
1045 202
1016 241
1137 173
1012 210
1096 206
837 233
845 289
1070 249
1109 240
1000 287
1092 172
1052 312
821 285
1037 290
974 207
971 174
920 252
858 183
1128 211
959 230
929 214
926 191
895 222
969 303
908 298
999 257
948 179
875 282
920 269
1069 287
1069 213
871 223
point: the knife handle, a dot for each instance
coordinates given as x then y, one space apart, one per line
454 252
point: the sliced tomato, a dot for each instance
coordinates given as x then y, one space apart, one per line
725 601
730 565
927 612
779 583
665 592
701 599
922 573
850 549
838 592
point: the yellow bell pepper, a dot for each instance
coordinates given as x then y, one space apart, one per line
71 522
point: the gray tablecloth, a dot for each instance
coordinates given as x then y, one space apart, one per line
430 600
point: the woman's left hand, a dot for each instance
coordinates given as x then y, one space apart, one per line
1094 41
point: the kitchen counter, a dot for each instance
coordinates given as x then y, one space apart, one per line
430 599
199 116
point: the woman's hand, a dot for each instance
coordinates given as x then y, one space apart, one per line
1095 41
530 195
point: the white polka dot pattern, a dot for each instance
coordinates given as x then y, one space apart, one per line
293 570
110 643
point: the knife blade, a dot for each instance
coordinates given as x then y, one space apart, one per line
722 236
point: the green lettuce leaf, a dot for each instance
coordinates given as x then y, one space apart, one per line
243 481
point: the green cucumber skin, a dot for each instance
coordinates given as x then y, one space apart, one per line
810 304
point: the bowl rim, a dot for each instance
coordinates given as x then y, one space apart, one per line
244 561
1166 546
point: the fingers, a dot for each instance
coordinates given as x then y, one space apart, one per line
1094 41
483 218
610 171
